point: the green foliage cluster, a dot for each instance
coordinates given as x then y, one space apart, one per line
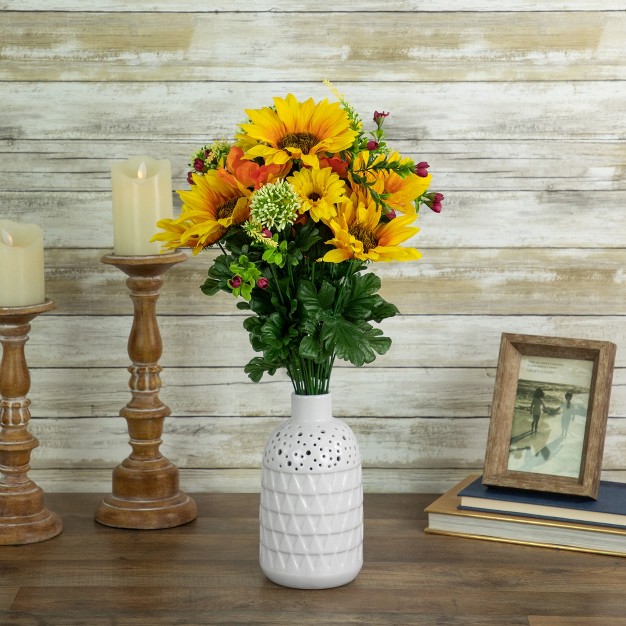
305 313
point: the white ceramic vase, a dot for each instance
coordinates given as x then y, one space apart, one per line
311 513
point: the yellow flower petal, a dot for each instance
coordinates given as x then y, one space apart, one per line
308 128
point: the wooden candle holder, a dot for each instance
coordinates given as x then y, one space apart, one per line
146 492
23 515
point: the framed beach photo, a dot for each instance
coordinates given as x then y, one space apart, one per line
549 412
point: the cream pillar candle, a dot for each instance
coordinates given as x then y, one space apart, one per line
21 264
142 195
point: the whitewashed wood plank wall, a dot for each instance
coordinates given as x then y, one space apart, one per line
517 106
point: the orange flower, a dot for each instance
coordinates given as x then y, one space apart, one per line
251 174
338 165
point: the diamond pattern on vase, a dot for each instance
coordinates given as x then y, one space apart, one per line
305 494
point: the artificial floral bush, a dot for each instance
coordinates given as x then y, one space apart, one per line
299 204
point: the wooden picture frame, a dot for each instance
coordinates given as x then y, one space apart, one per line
538 438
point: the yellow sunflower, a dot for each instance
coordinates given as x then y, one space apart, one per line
212 205
319 191
359 234
173 230
399 193
296 130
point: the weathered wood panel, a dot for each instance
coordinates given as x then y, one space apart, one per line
231 443
482 219
445 281
370 392
418 340
414 46
219 392
518 108
458 166
313 6
177 110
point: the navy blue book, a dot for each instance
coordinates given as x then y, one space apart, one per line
608 510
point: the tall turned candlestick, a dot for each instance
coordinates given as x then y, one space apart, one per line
23 515
146 492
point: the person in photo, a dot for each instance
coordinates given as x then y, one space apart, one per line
567 413
537 406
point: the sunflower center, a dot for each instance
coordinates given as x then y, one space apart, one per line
314 196
226 210
303 141
365 236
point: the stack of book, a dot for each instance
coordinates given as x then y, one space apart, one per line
471 509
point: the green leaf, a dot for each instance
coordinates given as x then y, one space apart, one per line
309 326
261 303
358 344
383 310
366 283
253 326
258 366
246 291
307 296
307 236
272 331
220 269
309 348
210 287
363 303
377 341
346 339
326 295
360 301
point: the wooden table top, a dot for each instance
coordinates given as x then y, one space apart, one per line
207 572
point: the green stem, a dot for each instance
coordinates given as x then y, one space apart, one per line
277 283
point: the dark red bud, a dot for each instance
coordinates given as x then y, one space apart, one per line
436 207
189 178
372 145
438 197
235 282
421 169
198 164
262 283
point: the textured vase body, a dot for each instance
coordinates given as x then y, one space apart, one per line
311 499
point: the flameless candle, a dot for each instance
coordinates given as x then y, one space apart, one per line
142 195
21 264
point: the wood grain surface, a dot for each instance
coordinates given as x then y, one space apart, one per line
207 572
